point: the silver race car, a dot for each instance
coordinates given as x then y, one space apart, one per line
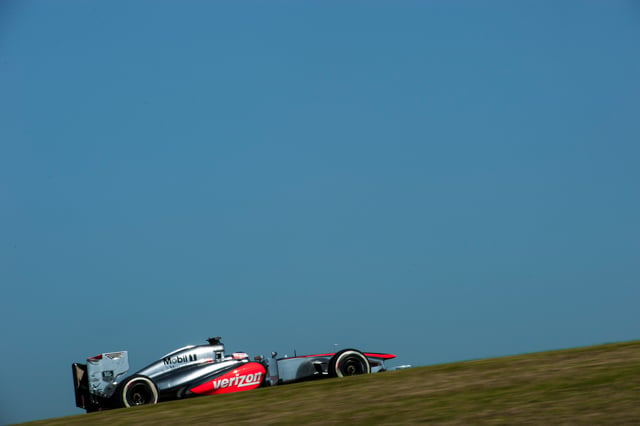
102 383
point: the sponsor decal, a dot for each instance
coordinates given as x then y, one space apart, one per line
180 360
238 380
114 355
246 377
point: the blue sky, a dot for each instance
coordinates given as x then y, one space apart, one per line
441 180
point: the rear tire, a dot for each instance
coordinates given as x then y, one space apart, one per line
138 390
348 362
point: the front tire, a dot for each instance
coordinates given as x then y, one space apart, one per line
348 362
138 390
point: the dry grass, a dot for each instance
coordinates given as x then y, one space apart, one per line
595 385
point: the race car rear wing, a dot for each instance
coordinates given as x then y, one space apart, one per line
96 381
81 385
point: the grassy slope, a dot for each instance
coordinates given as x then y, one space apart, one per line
599 384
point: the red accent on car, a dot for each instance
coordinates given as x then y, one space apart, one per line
95 358
368 354
246 377
382 356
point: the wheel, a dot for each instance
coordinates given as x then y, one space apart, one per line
348 362
138 390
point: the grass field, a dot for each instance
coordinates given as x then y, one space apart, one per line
593 385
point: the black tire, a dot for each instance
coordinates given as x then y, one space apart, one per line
138 390
348 362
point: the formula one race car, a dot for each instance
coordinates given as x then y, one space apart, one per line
101 384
